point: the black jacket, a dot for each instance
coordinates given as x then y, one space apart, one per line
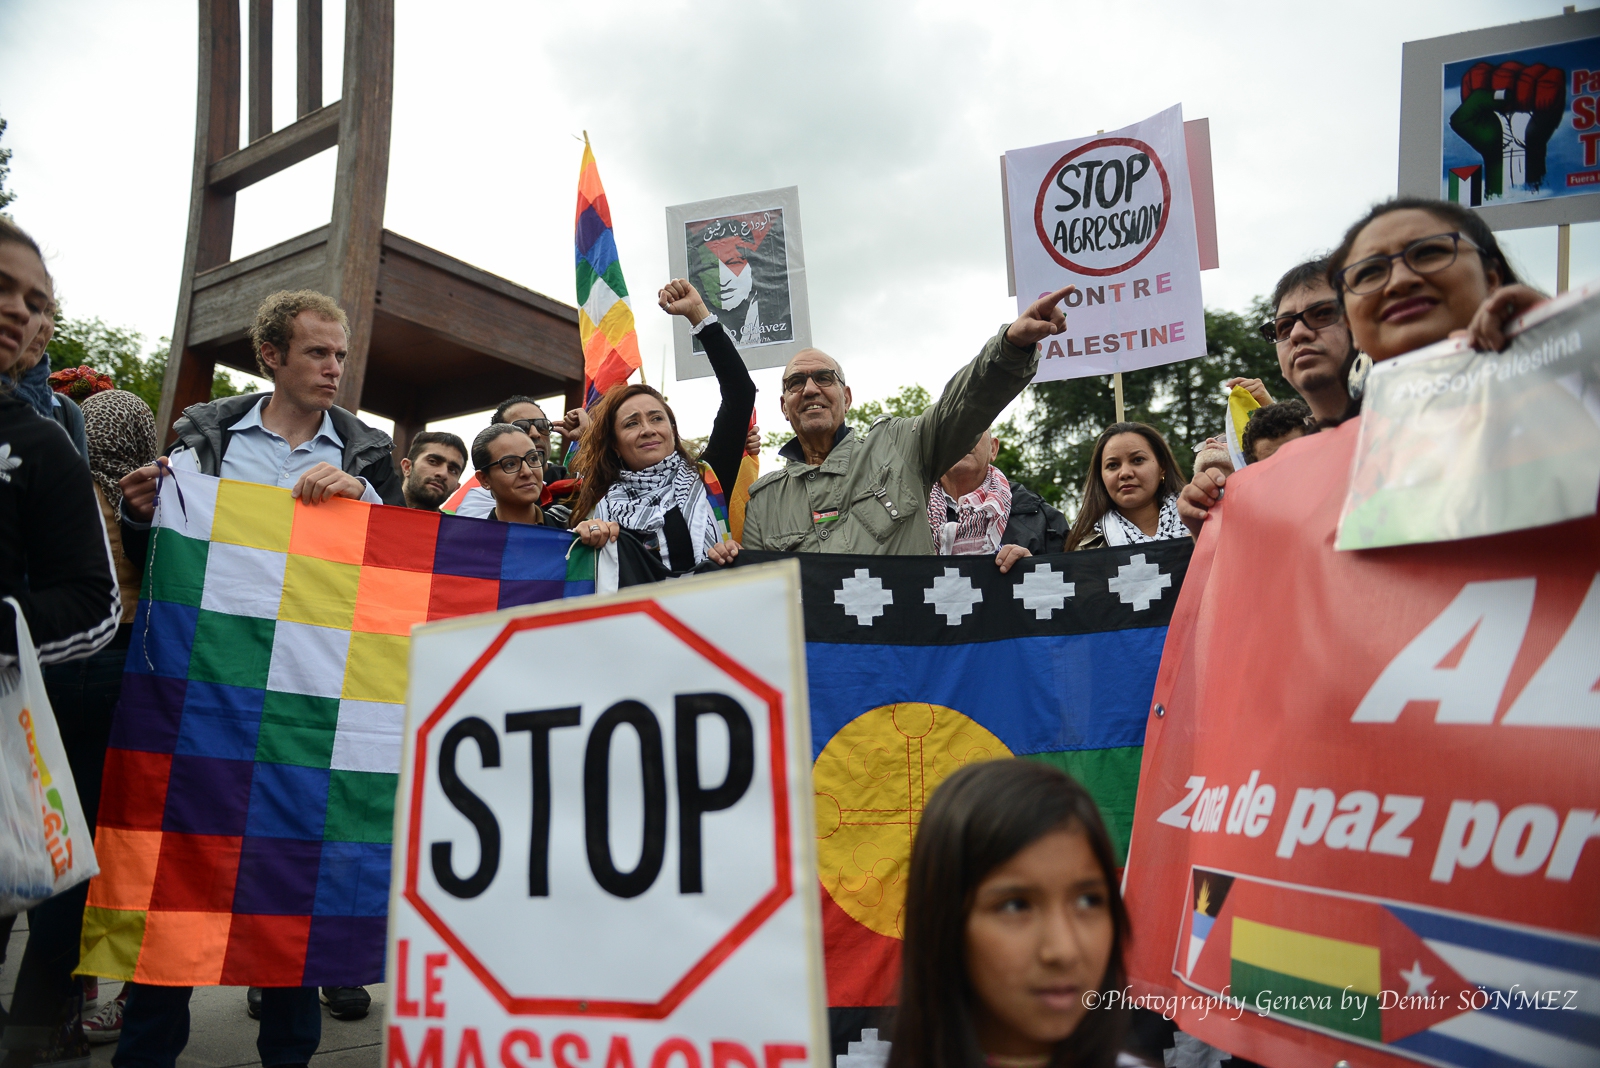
368 453
1034 525
54 558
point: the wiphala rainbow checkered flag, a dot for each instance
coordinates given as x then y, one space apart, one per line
246 816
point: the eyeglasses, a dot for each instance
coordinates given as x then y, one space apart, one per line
512 464
527 425
1426 255
823 378
1323 313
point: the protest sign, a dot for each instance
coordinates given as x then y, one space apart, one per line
744 256
1112 214
609 867
1457 443
1366 821
1503 120
249 785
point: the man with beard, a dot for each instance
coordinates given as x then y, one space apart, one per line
432 469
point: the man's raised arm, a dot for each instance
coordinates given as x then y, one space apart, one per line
977 393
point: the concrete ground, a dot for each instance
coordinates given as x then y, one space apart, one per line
221 1035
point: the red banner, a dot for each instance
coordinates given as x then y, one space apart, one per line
1367 821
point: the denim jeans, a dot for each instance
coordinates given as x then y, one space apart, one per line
82 694
155 1026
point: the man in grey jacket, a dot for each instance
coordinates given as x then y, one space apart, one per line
844 493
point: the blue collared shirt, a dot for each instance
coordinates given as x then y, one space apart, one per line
256 454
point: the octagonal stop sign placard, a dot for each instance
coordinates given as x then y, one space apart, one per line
604 835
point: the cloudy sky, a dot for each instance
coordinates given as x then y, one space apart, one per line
889 117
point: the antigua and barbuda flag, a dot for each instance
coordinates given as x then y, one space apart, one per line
919 665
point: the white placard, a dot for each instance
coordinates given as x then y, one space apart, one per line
604 849
745 256
1113 215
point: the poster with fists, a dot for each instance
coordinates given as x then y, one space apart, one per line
1113 216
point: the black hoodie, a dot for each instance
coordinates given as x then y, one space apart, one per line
54 558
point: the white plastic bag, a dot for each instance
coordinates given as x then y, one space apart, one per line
45 846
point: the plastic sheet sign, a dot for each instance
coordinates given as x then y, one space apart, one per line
603 840
1112 214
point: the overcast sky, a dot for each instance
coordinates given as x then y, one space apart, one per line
889 117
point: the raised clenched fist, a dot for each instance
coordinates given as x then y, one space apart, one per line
1507 114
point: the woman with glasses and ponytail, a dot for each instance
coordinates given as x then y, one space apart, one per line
637 475
511 467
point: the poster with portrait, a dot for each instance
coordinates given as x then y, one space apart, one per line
1521 125
744 256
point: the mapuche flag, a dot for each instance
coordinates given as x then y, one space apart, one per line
248 805
605 317
919 665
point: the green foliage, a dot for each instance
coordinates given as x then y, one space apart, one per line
119 352
1049 445
6 195
908 401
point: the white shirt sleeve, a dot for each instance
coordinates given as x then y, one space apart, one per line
368 494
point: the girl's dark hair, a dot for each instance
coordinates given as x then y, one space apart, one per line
975 821
480 445
1464 221
1097 502
597 458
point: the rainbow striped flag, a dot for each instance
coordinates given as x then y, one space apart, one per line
605 318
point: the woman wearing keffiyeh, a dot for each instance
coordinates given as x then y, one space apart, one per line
1131 493
637 476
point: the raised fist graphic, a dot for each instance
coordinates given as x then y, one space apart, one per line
1508 113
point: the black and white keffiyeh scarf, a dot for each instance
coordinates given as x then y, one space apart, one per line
1119 531
640 501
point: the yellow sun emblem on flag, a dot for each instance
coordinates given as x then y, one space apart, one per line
872 780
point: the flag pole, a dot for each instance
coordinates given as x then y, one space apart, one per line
1116 389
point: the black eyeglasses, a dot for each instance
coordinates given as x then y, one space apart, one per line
1425 255
823 378
525 425
1321 314
512 464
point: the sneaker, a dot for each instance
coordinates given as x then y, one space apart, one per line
347 1002
91 990
105 1026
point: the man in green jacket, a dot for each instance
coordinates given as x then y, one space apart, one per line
846 493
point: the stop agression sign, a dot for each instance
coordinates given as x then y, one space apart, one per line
602 824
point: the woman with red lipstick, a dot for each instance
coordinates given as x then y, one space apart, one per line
637 476
1013 926
1412 272
1131 494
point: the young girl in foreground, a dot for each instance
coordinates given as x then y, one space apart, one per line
1012 916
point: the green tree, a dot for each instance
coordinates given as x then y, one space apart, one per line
1049 444
119 352
6 195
